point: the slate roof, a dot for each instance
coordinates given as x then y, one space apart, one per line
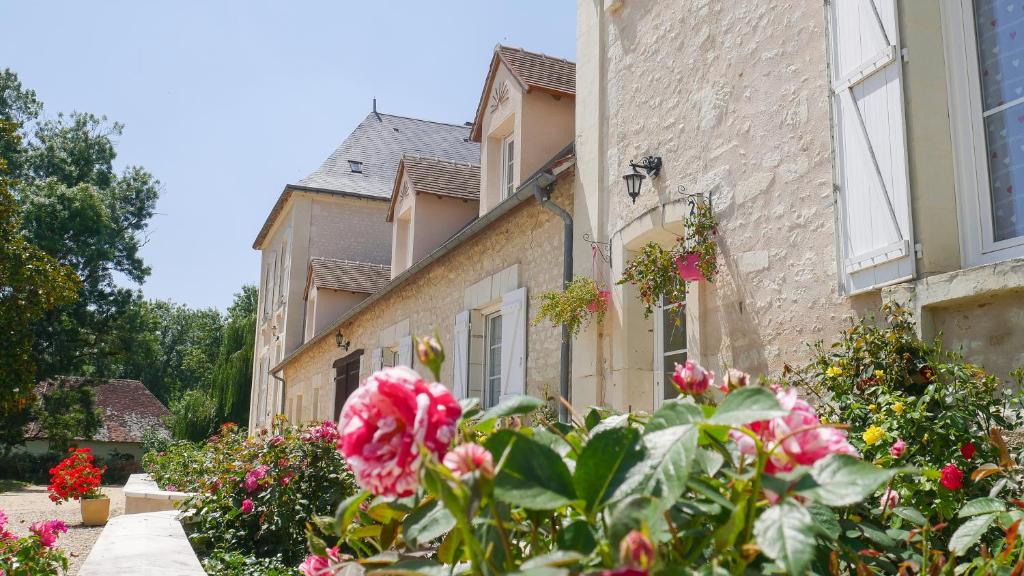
379 142
533 70
436 176
127 409
347 275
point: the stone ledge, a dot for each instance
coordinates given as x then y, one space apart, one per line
141 494
152 543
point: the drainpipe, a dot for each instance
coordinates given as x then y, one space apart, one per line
544 186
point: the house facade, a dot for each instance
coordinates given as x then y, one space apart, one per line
853 153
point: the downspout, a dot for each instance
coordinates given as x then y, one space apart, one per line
544 186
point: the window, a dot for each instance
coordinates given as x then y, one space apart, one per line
670 349
492 360
355 166
508 164
346 379
987 97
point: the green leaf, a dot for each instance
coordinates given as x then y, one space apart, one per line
635 512
968 534
676 412
616 421
825 521
531 474
785 533
556 558
844 480
911 515
347 510
427 522
577 536
512 406
981 506
747 405
670 454
605 465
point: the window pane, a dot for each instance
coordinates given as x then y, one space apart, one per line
674 328
1000 30
670 368
1004 132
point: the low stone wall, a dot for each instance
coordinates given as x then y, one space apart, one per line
152 543
141 495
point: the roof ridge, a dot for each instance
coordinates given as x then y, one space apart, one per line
525 51
347 261
421 120
439 160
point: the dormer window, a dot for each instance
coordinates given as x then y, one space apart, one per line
355 166
508 164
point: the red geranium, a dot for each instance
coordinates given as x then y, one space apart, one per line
75 477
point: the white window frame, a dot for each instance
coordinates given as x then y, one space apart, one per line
970 151
491 380
508 165
660 353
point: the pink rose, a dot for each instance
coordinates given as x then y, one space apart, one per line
967 450
692 378
47 531
326 431
733 380
952 478
636 550
890 499
468 458
627 571
898 448
796 439
386 421
253 477
320 565
247 506
276 440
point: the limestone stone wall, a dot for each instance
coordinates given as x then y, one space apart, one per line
734 97
526 243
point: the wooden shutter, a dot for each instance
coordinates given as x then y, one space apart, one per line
876 242
460 355
513 343
376 360
405 351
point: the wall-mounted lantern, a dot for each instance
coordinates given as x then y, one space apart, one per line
341 342
634 180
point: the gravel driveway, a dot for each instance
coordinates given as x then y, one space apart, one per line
30 504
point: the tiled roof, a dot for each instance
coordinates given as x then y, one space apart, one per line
378 143
533 70
347 275
127 408
437 176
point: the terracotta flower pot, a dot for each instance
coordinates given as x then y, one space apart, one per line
596 305
95 511
686 267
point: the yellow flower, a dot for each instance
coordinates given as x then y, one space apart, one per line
873 435
879 374
833 371
855 517
924 438
898 407
873 408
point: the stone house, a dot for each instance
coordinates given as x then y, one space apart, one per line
853 153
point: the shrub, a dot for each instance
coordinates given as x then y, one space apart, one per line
912 403
35 554
76 477
27 467
193 416
254 496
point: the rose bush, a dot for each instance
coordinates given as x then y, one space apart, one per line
35 554
254 496
744 481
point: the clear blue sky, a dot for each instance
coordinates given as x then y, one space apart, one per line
227 101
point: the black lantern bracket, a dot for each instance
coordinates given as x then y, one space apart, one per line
649 164
602 249
694 197
342 343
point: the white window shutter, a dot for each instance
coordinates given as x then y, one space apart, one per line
871 151
513 343
405 351
376 359
460 355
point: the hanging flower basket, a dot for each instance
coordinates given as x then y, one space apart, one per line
599 304
688 267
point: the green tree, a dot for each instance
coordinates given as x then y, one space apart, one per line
232 376
67 410
31 285
193 416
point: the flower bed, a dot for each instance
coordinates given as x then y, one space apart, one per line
35 554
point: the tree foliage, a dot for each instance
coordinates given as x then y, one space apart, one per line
232 375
